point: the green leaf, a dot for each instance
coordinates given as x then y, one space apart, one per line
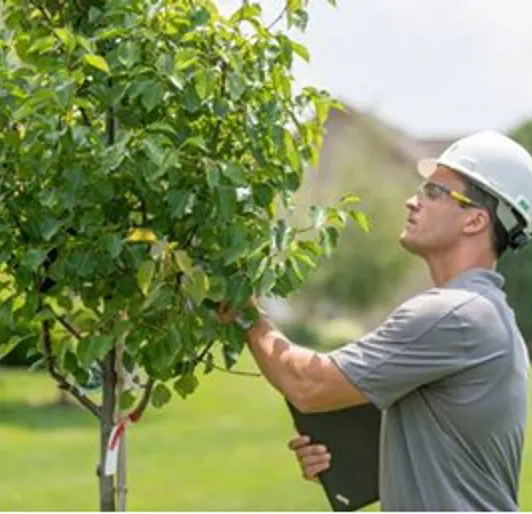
196 285
178 201
237 249
92 348
66 37
205 81
226 202
263 194
290 150
128 53
349 198
362 219
266 282
176 81
160 395
212 176
283 235
336 217
238 290
217 288
183 261
97 61
33 258
235 85
186 385
196 142
152 96
246 12
235 173
43 45
113 244
7 347
185 57
165 64
48 227
145 274
300 50
70 362
333 236
153 150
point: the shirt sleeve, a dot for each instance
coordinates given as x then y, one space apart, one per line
420 342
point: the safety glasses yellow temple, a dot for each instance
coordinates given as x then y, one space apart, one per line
435 191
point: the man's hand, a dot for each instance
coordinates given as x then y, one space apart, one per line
227 315
313 458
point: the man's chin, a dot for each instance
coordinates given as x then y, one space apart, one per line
408 244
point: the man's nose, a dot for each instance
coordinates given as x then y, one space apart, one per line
413 203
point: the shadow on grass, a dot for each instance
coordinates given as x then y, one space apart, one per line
45 416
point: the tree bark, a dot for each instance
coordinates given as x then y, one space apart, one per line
107 485
121 472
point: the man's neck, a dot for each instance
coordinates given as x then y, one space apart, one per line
444 268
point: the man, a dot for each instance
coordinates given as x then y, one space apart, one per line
448 368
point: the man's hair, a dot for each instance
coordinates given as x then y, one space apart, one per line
499 236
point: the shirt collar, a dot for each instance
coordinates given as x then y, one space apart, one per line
479 276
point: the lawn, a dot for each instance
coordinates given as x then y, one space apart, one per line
222 449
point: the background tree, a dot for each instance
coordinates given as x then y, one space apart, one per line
145 148
517 267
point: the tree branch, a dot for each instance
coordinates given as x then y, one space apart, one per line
205 351
44 12
60 379
73 330
219 124
86 119
279 17
203 354
136 414
233 372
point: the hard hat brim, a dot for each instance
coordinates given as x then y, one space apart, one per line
426 167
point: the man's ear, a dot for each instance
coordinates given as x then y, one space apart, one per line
476 221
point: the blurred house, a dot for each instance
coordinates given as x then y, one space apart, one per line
352 135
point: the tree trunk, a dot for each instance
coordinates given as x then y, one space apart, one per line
107 486
121 472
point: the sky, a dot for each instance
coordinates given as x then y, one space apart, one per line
430 67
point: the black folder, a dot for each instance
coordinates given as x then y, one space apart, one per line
352 437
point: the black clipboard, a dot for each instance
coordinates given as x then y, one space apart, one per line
352 437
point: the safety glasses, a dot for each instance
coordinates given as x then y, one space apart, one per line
435 191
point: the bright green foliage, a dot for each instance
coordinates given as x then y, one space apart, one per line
145 147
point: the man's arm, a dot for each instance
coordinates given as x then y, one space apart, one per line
308 379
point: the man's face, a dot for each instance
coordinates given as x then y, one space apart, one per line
434 224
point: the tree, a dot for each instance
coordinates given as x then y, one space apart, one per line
516 267
145 149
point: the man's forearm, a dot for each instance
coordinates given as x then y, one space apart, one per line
279 360
308 379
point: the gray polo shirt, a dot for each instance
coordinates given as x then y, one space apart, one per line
449 369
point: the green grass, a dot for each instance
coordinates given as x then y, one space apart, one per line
223 449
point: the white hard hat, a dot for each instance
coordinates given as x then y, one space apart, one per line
501 167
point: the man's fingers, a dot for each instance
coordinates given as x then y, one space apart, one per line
316 460
313 458
312 472
299 442
309 450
